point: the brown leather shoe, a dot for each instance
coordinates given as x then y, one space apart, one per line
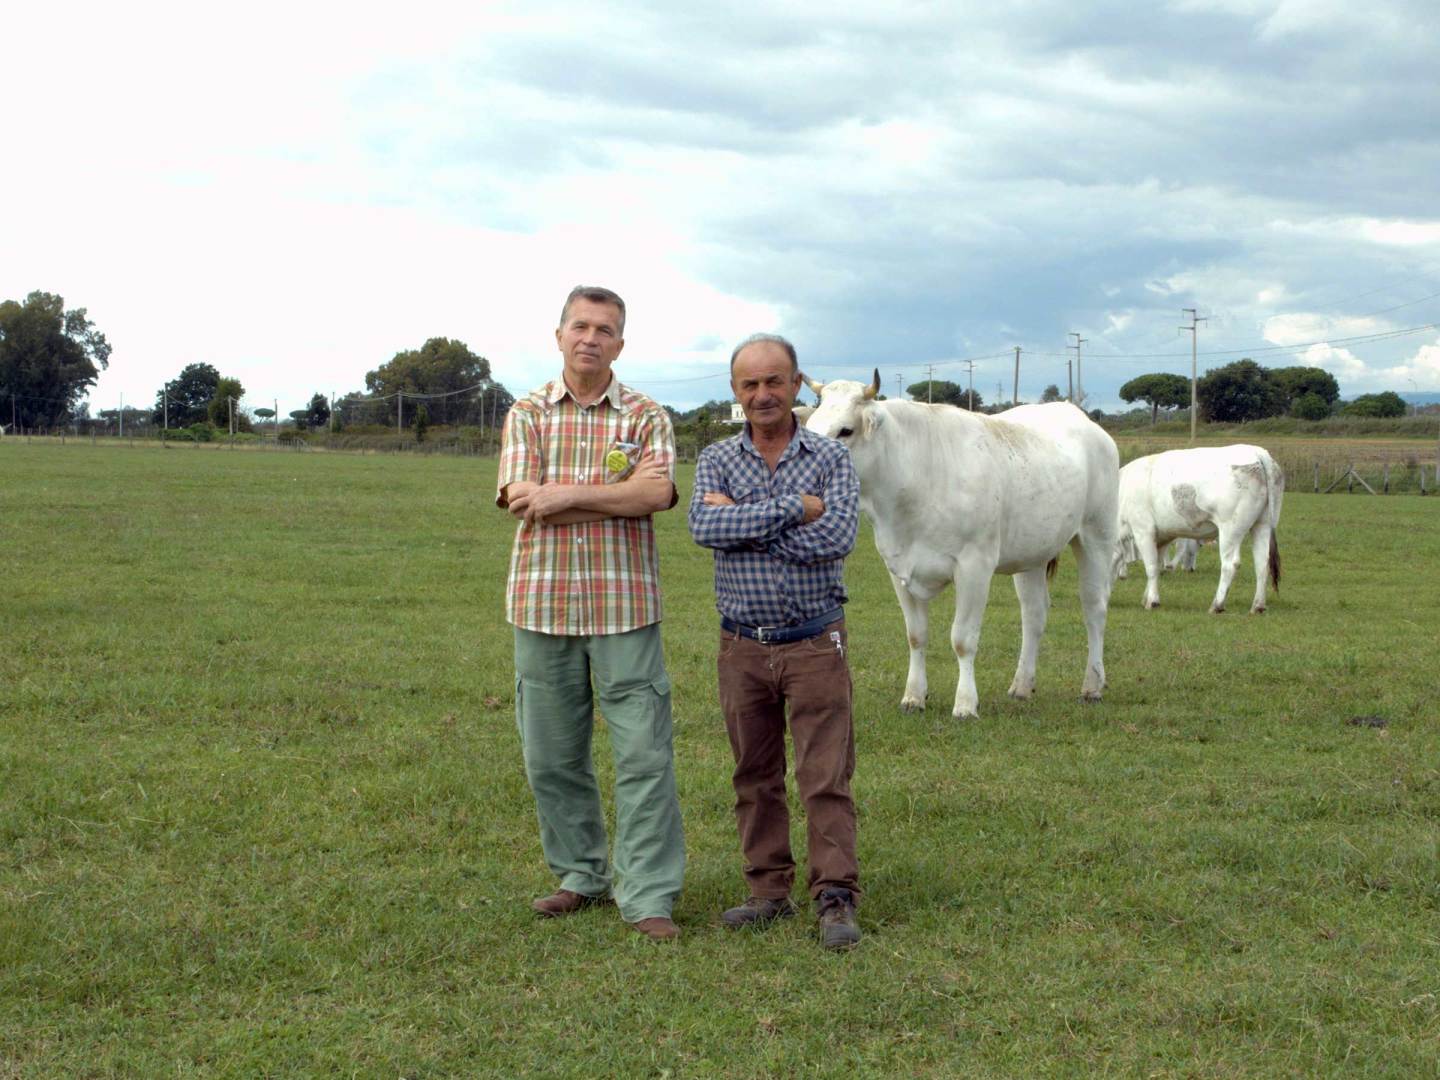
566 902
658 928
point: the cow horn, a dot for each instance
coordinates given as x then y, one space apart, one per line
874 387
812 384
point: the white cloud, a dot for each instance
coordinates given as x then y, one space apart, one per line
1298 328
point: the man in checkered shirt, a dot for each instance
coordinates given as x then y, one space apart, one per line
780 507
584 463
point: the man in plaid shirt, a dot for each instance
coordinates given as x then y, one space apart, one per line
780 507
584 462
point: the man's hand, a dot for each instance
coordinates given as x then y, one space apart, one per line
814 508
542 501
714 498
648 469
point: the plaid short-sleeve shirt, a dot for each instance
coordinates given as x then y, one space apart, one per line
598 577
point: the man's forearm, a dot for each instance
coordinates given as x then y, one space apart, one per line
633 498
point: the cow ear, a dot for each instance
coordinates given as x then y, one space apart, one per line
803 412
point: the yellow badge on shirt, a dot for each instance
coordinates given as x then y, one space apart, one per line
616 461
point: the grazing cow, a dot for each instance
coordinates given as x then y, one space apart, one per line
958 497
1180 555
1217 493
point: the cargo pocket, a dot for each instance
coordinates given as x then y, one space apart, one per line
663 724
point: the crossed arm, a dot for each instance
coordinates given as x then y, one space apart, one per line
800 529
647 490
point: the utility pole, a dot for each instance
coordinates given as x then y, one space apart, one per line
1069 381
165 399
1194 396
1079 379
1015 392
899 393
230 414
399 411
277 421
970 399
929 384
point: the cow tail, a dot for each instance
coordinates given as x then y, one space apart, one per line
1274 488
1051 567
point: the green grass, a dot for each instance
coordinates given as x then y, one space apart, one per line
262 811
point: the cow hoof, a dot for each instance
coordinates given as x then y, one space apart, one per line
1258 610
1019 695
1090 696
1217 610
911 705
966 715
1151 607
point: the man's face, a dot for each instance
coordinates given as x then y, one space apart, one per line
590 339
764 384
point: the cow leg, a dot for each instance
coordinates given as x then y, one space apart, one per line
1260 551
917 630
1229 545
1150 556
1090 558
1034 594
972 589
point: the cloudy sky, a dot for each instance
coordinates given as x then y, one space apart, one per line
294 192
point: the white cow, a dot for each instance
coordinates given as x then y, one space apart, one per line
957 497
1218 493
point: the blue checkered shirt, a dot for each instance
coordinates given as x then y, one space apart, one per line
771 569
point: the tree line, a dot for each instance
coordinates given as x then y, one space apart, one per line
50 358
1245 391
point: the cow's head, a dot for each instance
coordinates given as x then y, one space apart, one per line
847 409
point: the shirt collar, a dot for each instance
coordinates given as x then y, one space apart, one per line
559 391
799 441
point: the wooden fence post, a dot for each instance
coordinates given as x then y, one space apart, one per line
1386 487
1317 478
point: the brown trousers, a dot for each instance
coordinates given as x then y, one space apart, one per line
756 682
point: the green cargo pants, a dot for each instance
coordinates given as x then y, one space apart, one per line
555 712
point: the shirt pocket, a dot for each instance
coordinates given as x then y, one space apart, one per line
619 461
749 493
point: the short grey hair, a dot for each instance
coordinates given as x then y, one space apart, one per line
764 339
596 294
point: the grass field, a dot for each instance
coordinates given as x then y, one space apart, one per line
262 810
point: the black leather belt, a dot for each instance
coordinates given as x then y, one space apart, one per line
780 635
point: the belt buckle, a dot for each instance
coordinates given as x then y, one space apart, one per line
763 633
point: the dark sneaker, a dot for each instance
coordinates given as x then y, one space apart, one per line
837 919
758 911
